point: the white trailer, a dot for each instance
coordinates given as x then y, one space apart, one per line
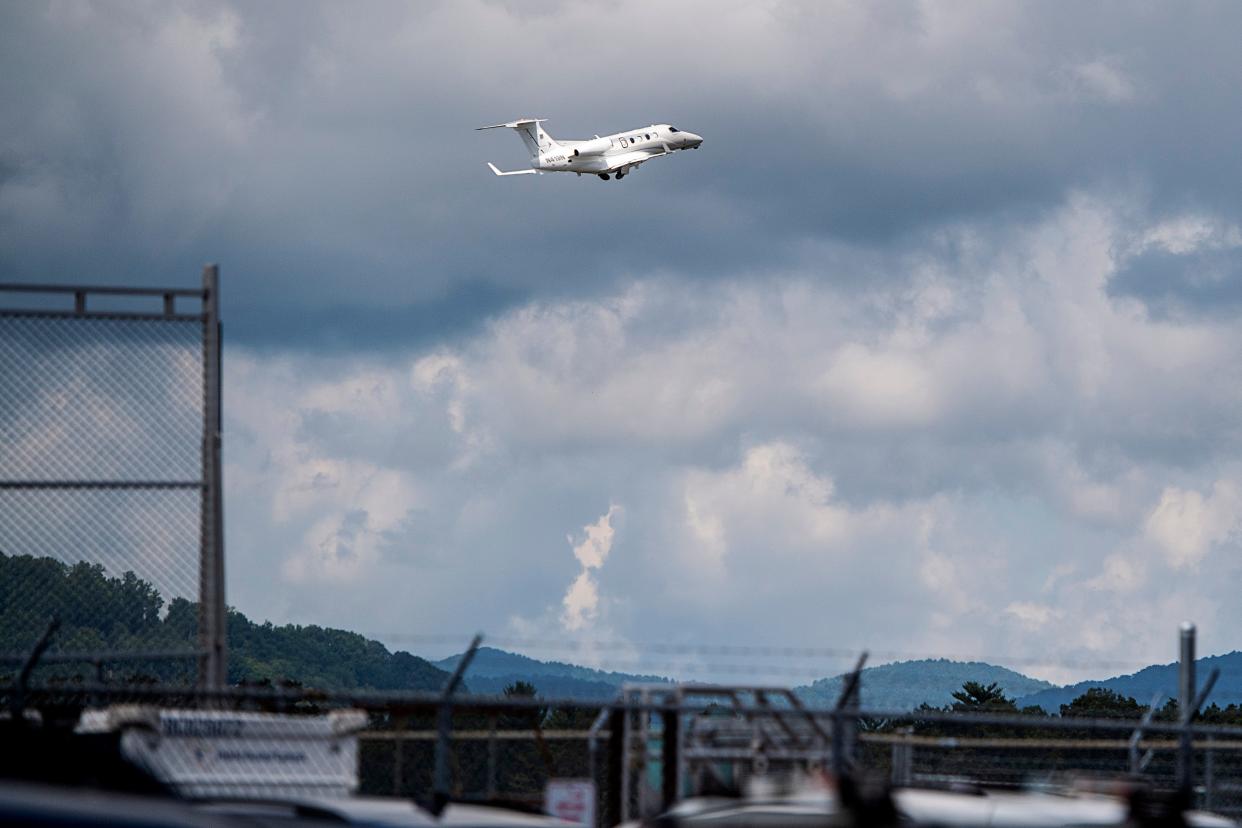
216 754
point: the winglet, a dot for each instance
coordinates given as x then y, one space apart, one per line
512 172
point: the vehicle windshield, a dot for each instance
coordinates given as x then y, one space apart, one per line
673 129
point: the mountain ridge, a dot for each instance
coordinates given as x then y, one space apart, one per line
904 685
1143 684
899 685
492 670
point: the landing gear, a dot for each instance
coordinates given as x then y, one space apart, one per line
604 176
620 176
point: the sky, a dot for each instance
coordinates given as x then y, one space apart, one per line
932 348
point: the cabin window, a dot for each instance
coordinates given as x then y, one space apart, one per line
624 143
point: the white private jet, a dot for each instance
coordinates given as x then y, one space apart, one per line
610 155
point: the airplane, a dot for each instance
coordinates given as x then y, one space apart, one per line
610 155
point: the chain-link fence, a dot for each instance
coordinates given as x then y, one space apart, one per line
638 757
110 509
109 480
1035 757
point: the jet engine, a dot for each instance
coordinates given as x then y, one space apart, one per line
597 146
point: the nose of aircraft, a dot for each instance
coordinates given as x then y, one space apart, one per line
692 141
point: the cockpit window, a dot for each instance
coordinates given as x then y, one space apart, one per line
674 129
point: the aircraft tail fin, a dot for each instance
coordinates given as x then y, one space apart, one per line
531 131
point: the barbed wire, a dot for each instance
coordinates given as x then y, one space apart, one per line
769 651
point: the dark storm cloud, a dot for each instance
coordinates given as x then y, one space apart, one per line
929 308
1171 283
325 156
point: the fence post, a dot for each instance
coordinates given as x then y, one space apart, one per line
601 803
398 749
1138 763
212 618
903 759
492 789
845 721
1185 702
1209 776
618 777
445 724
671 757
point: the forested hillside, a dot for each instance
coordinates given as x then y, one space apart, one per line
907 684
99 613
103 613
1159 679
492 670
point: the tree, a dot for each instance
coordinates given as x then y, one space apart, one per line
124 613
977 698
527 718
1214 715
521 690
1102 703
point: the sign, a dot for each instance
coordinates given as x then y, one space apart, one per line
572 800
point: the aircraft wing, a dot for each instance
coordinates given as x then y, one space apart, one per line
633 159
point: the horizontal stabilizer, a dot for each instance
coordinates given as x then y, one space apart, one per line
520 122
511 172
531 133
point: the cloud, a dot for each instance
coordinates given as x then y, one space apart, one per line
309 152
1186 525
1120 573
1191 233
950 332
581 601
1103 79
1003 452
1031 615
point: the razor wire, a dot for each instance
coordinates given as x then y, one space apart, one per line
101 479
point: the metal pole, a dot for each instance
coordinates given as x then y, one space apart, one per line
1137 764
212 618
445 725
903 760
844 721
593 764
492 790
617 804
1209 775
593 742
398 758
17 703
670 758
620 740
1185 702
